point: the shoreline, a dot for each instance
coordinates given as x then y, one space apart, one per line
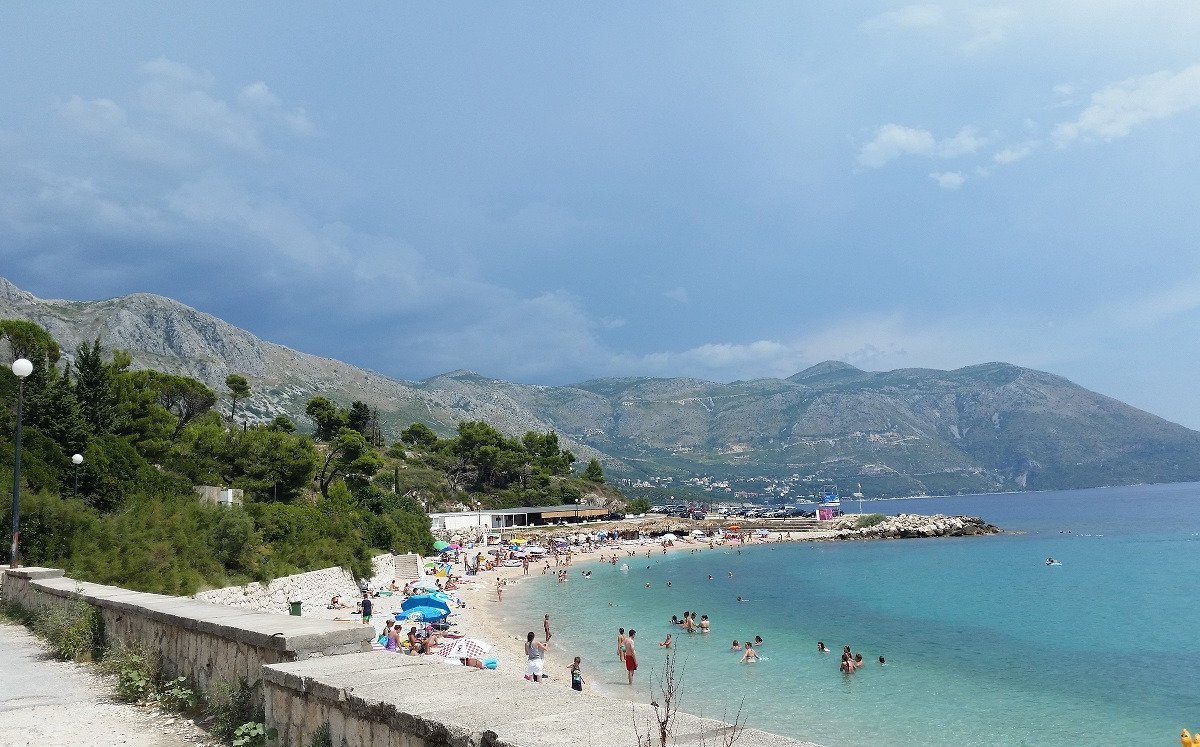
499 625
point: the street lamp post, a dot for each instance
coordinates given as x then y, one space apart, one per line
21 367
76 459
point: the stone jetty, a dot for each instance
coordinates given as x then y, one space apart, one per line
905 526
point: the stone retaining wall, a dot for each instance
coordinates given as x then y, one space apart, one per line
386 700
207 643
312 589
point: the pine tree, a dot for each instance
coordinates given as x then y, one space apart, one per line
93 388
594 472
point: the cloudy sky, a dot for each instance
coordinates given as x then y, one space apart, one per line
552 192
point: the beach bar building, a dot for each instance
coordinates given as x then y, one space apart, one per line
527 516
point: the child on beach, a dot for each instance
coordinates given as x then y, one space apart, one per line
577 675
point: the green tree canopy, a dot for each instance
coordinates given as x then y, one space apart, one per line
239 389
594 472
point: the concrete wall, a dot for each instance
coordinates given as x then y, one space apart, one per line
313 589
207 643
386 700
367 698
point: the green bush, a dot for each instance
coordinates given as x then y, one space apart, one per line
74 631
869 520
252 734
136 668
175 695
232 710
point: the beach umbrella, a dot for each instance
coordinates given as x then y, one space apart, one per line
441 545
455 547
425 583
424 600
422 613
464 648
668 537
520 541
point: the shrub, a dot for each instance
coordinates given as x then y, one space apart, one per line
869 520
74 631
252 734
136 668
321 737
233 710
175 695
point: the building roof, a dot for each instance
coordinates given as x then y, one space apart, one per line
564 509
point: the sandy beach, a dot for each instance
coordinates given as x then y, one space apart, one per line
503 624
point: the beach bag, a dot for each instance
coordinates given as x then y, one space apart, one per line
490 663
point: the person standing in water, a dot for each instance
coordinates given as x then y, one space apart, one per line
546 625
630 656
621 645
749 656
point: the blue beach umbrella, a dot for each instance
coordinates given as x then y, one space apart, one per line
423 613
424 600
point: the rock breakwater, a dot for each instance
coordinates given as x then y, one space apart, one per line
906 526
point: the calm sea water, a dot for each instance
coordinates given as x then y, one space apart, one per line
985 644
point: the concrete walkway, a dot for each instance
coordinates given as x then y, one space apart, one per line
48 702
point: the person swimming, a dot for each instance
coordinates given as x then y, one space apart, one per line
736 646
821 648
749 656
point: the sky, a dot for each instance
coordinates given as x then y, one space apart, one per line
553 192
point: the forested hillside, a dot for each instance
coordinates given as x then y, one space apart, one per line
147 437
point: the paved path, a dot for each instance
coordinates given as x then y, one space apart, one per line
48 702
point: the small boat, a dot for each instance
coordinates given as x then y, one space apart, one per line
831 505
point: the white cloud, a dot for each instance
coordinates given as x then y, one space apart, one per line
258 97
679 295
892 141
1014 153
987 27
1145 309
923 16
1117 109
106 120
948 179
969 30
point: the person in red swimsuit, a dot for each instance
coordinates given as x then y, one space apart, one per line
630 656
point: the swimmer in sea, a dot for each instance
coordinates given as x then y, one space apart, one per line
749 656
736 646
821 648
667 642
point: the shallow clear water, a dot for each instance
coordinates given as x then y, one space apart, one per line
985 644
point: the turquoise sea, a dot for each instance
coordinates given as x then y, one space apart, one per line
985 644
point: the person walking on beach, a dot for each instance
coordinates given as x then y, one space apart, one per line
630 656
577 675
535 650
525 566
499 590
366 608
546 625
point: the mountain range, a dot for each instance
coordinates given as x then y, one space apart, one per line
984 428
